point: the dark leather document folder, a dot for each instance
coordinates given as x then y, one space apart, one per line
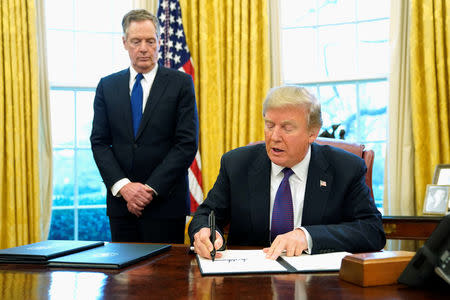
110 256
41 252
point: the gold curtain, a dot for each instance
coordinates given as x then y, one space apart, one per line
229 44
150 5
19 176
430 69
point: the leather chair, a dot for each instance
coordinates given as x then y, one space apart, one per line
357 149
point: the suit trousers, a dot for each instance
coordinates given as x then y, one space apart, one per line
147 230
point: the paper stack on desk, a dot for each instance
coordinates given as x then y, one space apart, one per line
255 261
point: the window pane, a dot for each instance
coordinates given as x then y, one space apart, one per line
63 118
373 48
373 110
337 51
91 190
337 11
370 9
85 113
61 227
339 107
61 57
378 171
88 13
120 8
93 225
121 60
92 49
300 62
63 177
296 13
63 19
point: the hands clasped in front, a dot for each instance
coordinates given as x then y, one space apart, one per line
138 196
293 243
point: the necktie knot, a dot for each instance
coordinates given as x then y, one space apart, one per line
139 76
287 172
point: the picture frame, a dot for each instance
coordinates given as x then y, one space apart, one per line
436 199
442 174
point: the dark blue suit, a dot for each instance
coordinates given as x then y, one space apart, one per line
340 216
164 148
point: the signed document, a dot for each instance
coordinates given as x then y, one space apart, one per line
255 261
317 262
240 261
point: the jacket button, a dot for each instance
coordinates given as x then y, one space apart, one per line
135 146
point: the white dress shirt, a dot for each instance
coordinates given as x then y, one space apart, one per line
297 182
146 83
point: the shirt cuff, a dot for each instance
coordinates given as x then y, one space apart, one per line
115 189
156 194
308 240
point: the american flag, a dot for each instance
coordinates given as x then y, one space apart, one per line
174 53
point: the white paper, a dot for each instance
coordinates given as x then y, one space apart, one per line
317 262
240 261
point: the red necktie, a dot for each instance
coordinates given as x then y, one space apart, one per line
283 212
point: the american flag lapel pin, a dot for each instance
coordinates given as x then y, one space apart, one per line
323 183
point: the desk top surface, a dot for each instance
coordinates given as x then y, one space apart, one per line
175 275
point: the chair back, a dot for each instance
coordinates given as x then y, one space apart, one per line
357 149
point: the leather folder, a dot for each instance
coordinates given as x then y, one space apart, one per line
375 268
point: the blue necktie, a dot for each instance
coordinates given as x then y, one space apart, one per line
283 212
136 103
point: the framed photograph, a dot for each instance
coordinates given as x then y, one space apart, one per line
442 175
436 199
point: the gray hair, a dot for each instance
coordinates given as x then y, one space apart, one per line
137 15
289 96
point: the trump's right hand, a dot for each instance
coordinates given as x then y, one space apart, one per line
203 245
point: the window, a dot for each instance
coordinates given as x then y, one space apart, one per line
339 49
83 44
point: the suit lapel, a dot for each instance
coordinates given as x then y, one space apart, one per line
123 96
259 193
318 187
156 91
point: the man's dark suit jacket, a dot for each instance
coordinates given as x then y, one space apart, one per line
165 145
340 216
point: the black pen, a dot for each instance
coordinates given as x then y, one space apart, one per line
212 227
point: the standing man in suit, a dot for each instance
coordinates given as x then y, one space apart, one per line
144 138
290 194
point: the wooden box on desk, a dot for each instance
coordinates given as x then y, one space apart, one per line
376 268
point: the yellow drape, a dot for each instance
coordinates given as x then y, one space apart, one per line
19 190
229 44
430 71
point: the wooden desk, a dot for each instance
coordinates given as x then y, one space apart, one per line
409 227
175 275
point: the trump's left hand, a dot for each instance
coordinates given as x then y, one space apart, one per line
294 242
